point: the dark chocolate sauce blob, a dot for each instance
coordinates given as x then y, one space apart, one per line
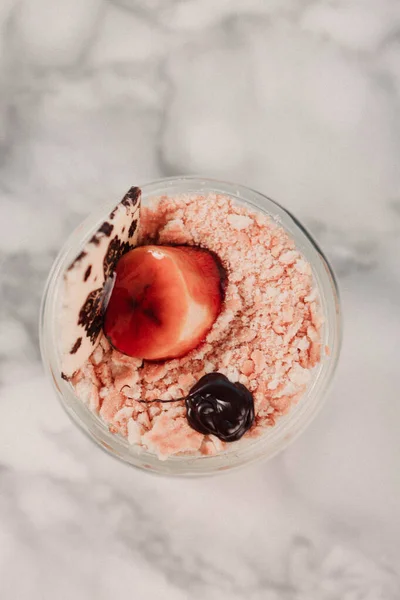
219 407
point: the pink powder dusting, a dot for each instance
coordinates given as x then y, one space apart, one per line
267 335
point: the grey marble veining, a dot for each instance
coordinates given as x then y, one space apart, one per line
300 100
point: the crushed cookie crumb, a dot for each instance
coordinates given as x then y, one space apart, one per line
267 336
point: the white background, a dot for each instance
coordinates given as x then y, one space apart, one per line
299 99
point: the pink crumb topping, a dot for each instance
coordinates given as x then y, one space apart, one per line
267 335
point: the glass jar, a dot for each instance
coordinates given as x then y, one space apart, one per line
287 428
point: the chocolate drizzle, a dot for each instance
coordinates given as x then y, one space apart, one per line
115 250
132 197
90 316
106 228
77 260
76 346
217 406
87 273
132 228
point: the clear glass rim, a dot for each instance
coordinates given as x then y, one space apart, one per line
287 428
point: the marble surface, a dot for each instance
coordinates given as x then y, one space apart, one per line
300 99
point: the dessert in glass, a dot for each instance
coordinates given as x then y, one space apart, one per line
191 328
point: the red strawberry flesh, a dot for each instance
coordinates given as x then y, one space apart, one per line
164 302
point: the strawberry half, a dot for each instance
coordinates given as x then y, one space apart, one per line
164 302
